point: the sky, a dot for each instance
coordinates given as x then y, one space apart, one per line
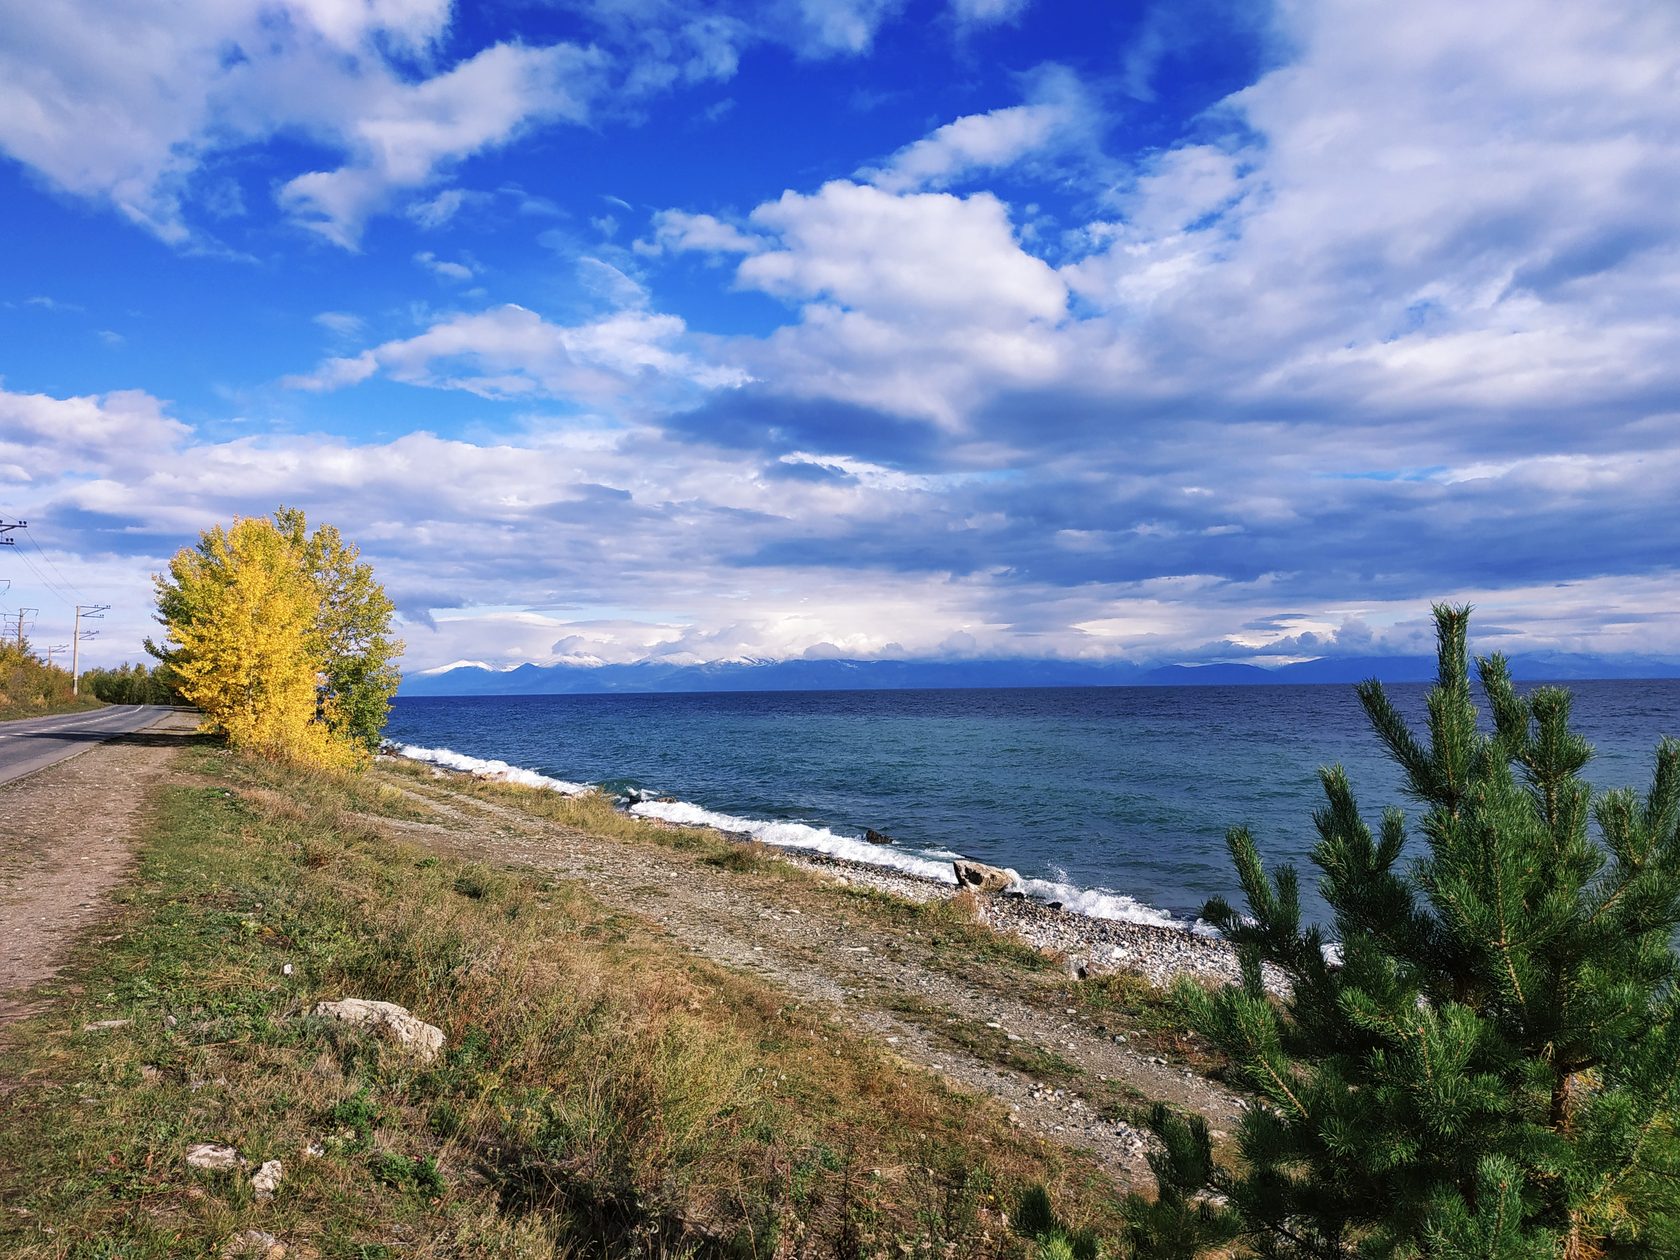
625 329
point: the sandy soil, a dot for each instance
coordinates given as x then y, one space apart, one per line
66 836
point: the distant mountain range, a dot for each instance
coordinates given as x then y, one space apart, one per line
842 675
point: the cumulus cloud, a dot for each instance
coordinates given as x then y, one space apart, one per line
927 256
1056 115
512 352
918 303
98 433
679 231
125 102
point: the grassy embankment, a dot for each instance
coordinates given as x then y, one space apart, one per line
601 1093
31 688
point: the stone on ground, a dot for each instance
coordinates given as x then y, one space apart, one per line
215 1156
981 878
423 1040
266 1180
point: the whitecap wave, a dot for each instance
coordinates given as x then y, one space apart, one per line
490 768
1098 903
794 835
934 864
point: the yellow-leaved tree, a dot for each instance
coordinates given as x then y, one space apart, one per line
243 611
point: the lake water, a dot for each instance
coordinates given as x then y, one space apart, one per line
1114 800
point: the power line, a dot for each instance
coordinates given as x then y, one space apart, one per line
42 553
44 580
7 528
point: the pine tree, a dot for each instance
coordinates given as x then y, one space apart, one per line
1182 1221
1490 1069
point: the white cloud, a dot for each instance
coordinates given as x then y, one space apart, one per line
987 12
1056 115
443 267
1468 204
340 323
123 101
923 256
512 352
832 27
411 24
432 213
405 132
42 436
918 303
677 230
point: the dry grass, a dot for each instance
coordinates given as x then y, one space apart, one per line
601 1094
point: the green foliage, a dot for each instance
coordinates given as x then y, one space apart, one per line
1492 1068
131 684
1187 1217
1036 1219
353 629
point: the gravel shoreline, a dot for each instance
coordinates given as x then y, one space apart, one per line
1160 955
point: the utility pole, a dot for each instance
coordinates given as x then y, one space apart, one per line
21 613
92 612
57 647
8 527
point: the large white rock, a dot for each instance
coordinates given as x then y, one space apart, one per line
216 1156
423 1040
266 1180
980 877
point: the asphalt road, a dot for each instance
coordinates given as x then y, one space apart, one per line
31 744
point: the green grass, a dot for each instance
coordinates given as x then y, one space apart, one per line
601 1094
986 1043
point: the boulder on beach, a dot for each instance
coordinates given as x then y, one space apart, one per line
981 878
877 837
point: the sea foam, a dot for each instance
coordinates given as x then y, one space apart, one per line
933 864
1098 903
491 768
794 835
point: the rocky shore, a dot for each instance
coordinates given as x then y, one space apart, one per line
1160 955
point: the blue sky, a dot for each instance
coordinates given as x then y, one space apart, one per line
646 328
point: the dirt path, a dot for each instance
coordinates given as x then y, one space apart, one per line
1057 1070
66 837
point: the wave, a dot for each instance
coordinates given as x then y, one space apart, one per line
930 864
1098 903
492 769
1093 903
794 835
